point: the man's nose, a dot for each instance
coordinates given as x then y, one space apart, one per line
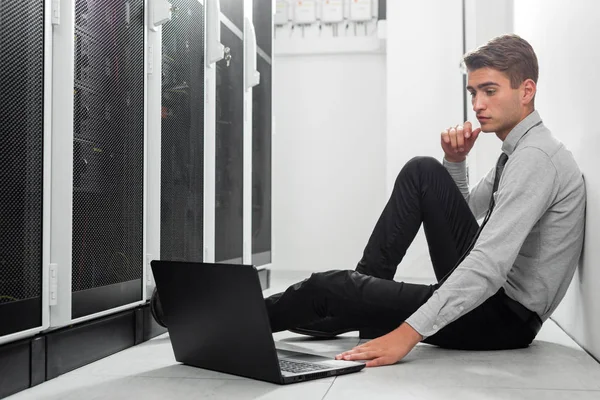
478 104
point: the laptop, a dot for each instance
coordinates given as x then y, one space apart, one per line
217 320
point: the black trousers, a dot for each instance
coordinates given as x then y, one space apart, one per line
368 297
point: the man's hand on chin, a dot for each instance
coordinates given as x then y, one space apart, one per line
387 349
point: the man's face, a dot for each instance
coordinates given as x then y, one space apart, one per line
498 107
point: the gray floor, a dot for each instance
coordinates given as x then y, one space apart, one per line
553 367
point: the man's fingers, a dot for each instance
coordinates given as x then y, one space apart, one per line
475 134
358 349
378 362
468 128
344 354
364 355
452 134
446 136
460 139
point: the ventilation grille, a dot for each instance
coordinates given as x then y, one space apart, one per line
108 146
21 148
182 146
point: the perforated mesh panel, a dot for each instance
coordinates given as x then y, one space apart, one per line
21 150
182 146
229 151
108 147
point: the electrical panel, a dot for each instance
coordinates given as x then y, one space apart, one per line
332 11
360 10
281 12
305 12
302 24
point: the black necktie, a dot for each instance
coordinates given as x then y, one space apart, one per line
499 168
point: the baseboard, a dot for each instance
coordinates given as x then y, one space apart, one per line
15 359
79 345
32 361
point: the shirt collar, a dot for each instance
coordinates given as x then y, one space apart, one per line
514 136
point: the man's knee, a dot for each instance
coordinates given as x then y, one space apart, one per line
424 163
320 280
420 164
328 283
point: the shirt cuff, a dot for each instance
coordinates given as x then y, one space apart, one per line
425 325
455 168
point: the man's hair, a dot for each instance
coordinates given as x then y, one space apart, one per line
509 54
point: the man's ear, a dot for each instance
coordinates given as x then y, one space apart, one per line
528 90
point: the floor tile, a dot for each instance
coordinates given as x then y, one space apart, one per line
554 367
139 387
417 391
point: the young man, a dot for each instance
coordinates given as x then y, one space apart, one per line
496 283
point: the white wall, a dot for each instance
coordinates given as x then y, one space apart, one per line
425 94
326 205
566 38
484 21
328 158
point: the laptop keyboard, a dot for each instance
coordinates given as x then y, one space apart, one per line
298 367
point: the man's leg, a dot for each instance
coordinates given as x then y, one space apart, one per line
424 193
382 304
348 295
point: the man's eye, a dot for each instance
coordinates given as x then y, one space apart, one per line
472 94
490 92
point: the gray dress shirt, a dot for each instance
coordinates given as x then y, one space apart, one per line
532 242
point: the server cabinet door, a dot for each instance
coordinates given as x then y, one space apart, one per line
108 155
229 149
182 136
261 165
21 164
262 17
234 11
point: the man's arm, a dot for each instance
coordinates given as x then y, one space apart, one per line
457 143
526 190
479 197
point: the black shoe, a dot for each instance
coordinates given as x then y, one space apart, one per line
156 309
330 327
326 328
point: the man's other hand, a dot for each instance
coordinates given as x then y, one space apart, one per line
458 141
387 349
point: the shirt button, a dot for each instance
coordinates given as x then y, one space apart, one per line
435 327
